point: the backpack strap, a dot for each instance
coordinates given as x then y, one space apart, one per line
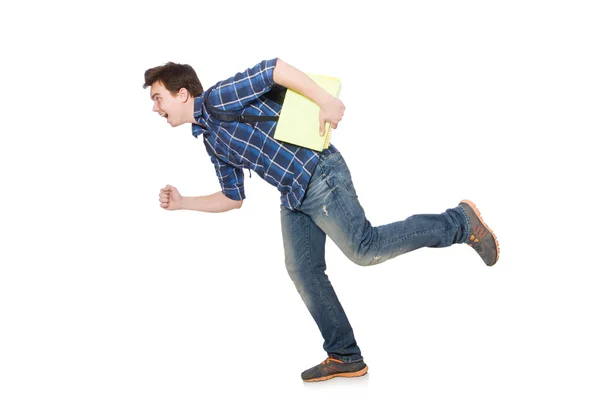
223 115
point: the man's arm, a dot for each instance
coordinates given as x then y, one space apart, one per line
216 202
290 77
332 109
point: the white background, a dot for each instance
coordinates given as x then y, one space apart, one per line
103 293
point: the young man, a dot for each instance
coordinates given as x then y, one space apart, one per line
317 195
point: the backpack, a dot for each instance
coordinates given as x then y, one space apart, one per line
276 94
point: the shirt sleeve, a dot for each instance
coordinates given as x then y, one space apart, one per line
230 178
238 91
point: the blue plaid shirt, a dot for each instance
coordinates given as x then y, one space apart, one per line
233 146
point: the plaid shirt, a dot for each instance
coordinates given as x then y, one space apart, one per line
233 146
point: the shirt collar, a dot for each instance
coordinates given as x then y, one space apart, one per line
199 116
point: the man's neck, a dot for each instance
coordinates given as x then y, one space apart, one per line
190 111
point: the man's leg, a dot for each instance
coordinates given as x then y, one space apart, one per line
304 246
332 203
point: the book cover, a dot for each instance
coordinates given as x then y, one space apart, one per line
299 117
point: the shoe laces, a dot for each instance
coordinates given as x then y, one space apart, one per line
329 359
479 232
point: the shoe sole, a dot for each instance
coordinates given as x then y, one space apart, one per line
343 375
476 210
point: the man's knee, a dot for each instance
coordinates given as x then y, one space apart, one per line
291 267
362 259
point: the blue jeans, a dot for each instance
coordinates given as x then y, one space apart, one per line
330 207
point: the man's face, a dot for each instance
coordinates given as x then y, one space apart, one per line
166 105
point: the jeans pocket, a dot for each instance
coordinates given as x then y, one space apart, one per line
343 173
335 158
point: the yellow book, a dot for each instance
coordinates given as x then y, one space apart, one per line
299 117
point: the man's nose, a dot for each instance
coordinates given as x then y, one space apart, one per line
155 108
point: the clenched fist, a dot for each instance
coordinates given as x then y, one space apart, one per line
169 198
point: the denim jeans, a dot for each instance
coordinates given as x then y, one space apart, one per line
331 207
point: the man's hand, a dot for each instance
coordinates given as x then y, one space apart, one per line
331 112
169 198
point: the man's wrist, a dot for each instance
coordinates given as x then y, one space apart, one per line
185 204
322 97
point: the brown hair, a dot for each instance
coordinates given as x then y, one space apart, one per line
174 76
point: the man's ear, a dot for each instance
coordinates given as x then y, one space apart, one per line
184 94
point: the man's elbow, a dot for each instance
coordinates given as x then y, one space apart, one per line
278 71
234 204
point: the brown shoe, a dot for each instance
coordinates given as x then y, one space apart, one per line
482 238
330 368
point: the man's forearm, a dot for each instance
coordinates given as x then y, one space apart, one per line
290 77
216 202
